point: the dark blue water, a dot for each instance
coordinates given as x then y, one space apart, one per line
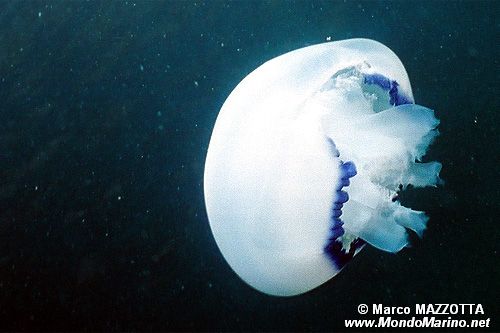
106 114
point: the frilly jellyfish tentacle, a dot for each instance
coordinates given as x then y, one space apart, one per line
306 158
387 147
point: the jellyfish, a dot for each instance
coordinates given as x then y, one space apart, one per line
306 160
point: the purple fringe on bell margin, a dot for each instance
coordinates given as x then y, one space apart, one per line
397 97
334 247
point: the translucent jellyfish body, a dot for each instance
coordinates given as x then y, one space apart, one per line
305 160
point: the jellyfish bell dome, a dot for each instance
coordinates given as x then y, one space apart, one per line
305 159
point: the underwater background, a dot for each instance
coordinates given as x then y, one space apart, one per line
106 114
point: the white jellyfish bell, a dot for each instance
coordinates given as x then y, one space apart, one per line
305 161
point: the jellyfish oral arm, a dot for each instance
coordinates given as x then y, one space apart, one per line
387 151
